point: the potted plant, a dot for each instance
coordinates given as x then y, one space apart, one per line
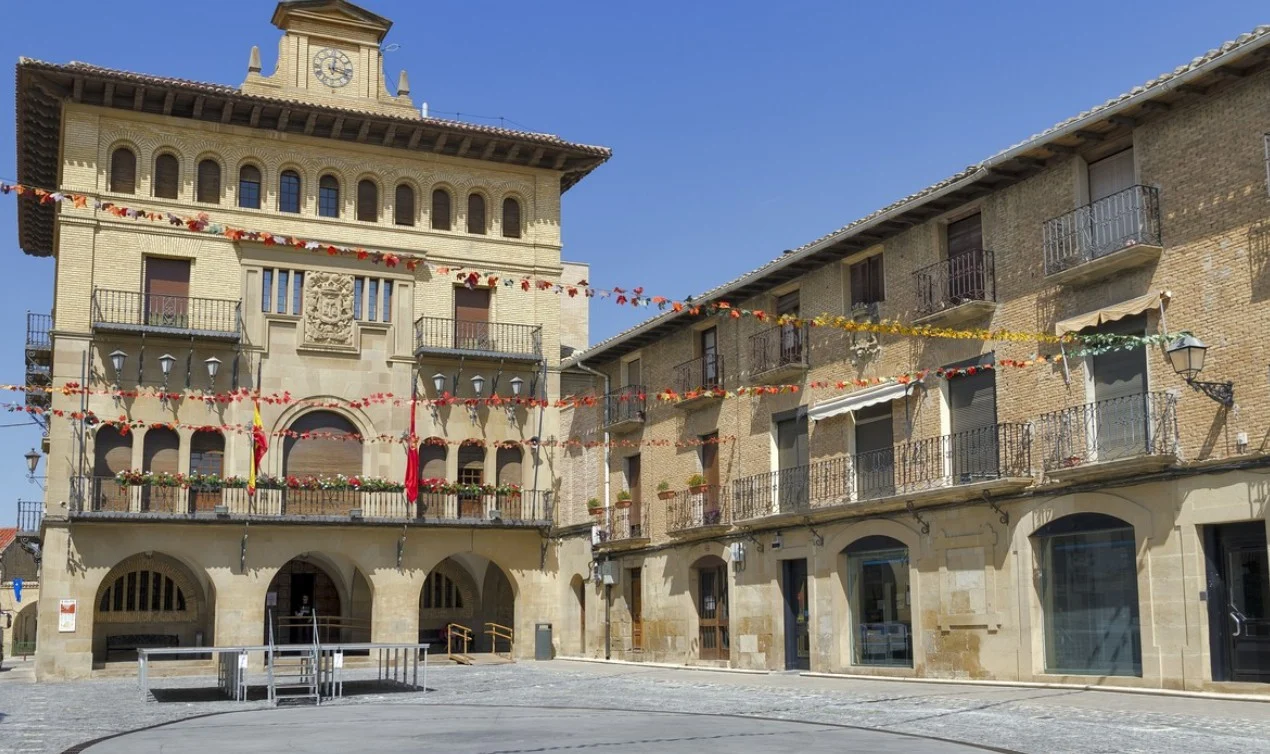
624 499
663 490
594 507
697 484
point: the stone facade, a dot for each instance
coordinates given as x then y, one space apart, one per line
208 566
973 544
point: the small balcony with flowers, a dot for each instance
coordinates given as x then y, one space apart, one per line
620 526
625 409
701 510
446 502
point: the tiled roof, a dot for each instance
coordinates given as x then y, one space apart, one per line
221 90
7 535
1155 87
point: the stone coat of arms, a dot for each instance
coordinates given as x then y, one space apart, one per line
328 309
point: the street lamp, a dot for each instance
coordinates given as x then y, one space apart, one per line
517 384
213 368
117 359
32 461
438 383
1186 355
478 387
166 362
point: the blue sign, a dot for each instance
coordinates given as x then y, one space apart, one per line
17 590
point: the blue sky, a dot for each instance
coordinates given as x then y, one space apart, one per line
739 129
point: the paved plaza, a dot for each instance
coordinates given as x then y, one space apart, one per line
574 706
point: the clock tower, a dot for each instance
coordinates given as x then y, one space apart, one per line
330 55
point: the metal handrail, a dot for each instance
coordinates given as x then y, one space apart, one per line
1126 218
625 404
692 510
39 329
954 281
164 313
619 525
1144 424
780 346
702 373
30 515
477 336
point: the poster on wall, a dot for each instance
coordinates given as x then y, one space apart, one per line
66 616
271 599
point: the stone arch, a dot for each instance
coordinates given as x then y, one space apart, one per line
153 599
112 453
522 205
418 197
118 179
182 170
493 593
451 213
357 417
236 180
710 587
274 186
577 610
380 195
341 597
221 176
25 625
482 202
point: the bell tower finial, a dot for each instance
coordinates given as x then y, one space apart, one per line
403 84
253 62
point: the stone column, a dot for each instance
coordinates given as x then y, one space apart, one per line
395 608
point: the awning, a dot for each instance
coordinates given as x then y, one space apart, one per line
857 400
1112 313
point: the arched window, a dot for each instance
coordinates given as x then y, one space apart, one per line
440 209
208 188
367 201
511 218
878 592
1089 595
207 453
123 171
167 176
440 591
249 187
476 214
404 205
329 196
142 591
328 447
289 191
161 451
508 459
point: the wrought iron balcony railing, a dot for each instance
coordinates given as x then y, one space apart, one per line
1127 218
39 329
689 510
30 515
792 490
134 311
702 373
621 524
955 281
478 338
624 405
527 507
1109 430
779 347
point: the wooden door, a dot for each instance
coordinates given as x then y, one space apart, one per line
712 612
965 260
637 609
710 358
471 319
167 291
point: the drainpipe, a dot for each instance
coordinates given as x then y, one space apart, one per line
608 589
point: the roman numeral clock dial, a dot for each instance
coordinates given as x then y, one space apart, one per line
332 67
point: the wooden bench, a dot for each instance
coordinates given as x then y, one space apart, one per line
133 642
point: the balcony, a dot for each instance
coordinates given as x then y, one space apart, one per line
1131 434
698 381
949 467
39 361
702 512
1117 233
181 316
956 290
779 354
625 409
107 499
30 516
621 528
443 336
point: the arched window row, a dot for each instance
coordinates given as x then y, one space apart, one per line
209 184
440 591
143 591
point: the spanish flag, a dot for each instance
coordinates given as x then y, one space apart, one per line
259 444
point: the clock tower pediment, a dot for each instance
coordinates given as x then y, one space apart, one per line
329 54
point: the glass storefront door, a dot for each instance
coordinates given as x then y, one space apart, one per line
881 602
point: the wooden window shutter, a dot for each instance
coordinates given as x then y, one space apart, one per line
509 460
167 176
1120 373
123 171
367 201
511 218
161 452
208 189
441 209
787 304
322 456
965 236
207 453
476 214
404 205
432 461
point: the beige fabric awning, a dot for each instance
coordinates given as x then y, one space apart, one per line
1112 313
857 400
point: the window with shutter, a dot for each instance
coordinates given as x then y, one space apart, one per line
972 409
207 453
866 281
511 218
289 191
249 187
167 176
367 201
471 319
440 209
792 460
874 451
208 189
329 196
1121 408
326 449
123 171
404 205
476 214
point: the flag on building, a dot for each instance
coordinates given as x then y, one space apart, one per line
259 444
412 456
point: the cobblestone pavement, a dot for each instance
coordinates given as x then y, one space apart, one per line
56 717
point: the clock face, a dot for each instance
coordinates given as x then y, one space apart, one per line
332 67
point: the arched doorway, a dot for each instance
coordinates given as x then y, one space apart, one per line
24 630
710 577
471 591
149 600
577 587
112 453
432 474
306 592
207 459
879 596
1088 587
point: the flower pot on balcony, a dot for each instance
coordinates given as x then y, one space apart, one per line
698 489
666 494
622 502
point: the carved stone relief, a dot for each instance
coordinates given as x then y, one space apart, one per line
328 310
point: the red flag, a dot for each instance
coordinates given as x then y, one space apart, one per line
259 444
412 458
